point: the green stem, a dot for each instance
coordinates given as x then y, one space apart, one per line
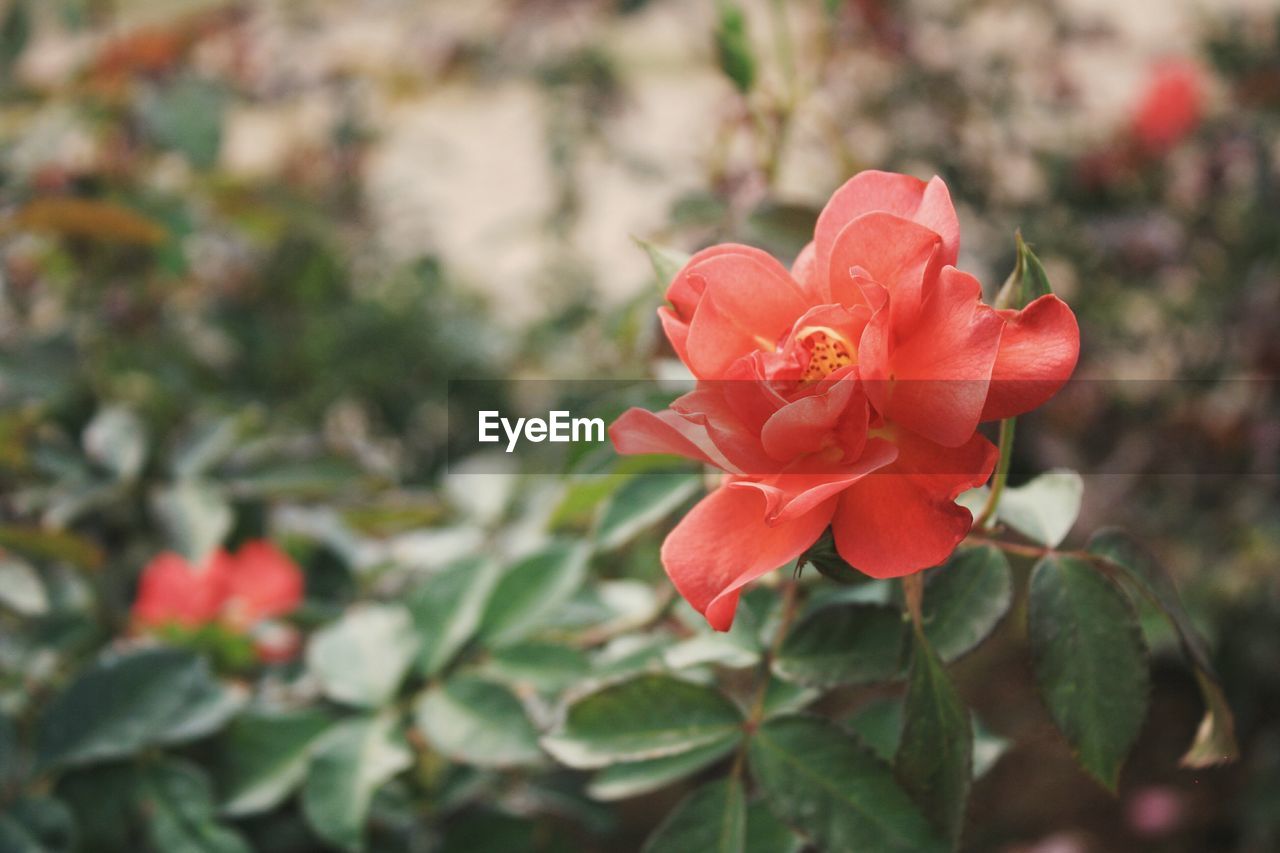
756 714
913 595
1001 475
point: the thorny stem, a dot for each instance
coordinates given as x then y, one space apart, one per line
1001 475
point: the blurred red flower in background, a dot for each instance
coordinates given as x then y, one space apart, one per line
845 392
240 591
1171 106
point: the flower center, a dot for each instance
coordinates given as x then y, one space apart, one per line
828 352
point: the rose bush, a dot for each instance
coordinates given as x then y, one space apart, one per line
846 392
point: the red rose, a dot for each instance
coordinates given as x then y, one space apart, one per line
263 583
1170 108
845 392
258 582
173 591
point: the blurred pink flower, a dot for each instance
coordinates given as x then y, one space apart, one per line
241 590
1155 810
1171 106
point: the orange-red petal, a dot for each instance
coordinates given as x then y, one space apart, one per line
904 518
1038 351
724 543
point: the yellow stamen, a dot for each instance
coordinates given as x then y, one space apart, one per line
828 352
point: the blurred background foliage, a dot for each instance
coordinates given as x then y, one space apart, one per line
245 245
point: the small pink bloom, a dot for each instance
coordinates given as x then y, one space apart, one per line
1155 810
1171 106
262 583
257 583
171 591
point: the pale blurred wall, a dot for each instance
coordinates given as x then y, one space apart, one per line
462 166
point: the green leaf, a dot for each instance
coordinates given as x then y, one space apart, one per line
40 543
15 32
10 765
988 747
646 717
116 439
633 778
1045 509
879 724
474 721
207 445
641 502
784 697
104 800
733 649
1215 739
447 609
733 47
965 599
530 593
546 667
767 834
1140 568
935 752
823 781
177 800
195 517
37 825
666 263
21 589
264 758
1090 661
852 643
482 829
362 658
350 764
186 116
712 818
1027 282
142 698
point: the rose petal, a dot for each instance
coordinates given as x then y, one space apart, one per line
933 377
171 590
802 487
263 583
902 256
902 195
1038 351
904 518
805 271
639 431
806 425
724 544
684 292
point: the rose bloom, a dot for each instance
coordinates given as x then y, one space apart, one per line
241 591
846 392
1171 106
